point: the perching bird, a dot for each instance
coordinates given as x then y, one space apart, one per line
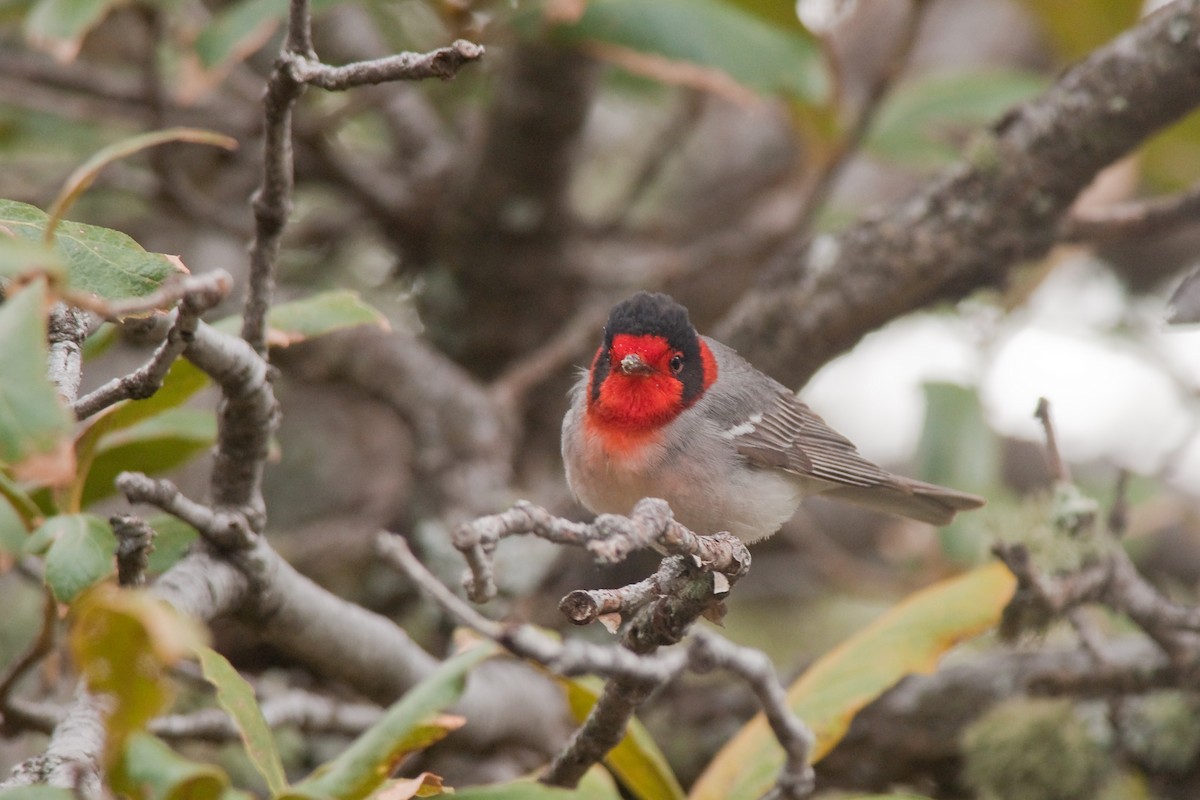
664 412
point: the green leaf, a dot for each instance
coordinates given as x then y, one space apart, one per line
13 533
597 784
957 448
764 57
925 121
182 381
99 260
27 512
777 13
79 551
411 724
151 770
636 760
152 446
21 257
174 537
322 313
34 423
58 26
98 342
124 642
236 696
909 638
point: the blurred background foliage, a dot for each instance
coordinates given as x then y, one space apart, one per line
600 147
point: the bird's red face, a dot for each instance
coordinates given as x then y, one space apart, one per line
651 367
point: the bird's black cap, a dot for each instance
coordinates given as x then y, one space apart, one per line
651 313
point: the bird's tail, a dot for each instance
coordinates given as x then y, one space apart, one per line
918 500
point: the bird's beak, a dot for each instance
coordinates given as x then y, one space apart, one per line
633 364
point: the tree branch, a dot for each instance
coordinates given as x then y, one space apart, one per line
195 295
1002 205
444 63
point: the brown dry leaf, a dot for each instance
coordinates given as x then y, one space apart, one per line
54 469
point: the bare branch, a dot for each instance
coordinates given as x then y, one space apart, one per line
135 542
1058 467
444 63
1002 205
709 651
609 539
633 676
72 759
198 292
227 530
67 329
197 296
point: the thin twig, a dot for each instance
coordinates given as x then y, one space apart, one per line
1058 467
444 63
709 651
635 676
198 296
1133 220
227 530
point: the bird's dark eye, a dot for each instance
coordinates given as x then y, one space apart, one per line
676 363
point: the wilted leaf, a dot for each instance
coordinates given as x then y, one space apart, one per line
909 638
79 551
151 770
409 725
236 696
636 760
123 642
33 420
99 260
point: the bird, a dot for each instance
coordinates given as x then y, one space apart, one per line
665 412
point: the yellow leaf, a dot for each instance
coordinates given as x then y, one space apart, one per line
909 638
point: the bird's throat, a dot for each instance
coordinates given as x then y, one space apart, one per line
632 409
